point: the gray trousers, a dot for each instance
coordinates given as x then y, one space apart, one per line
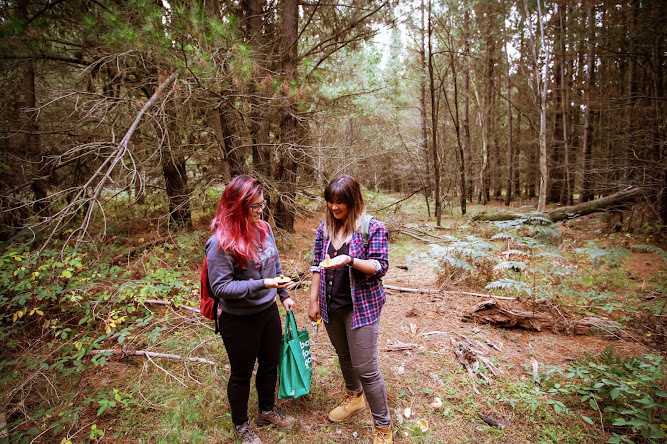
358 356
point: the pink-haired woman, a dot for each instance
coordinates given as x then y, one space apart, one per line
242 266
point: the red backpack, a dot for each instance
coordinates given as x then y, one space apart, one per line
208 306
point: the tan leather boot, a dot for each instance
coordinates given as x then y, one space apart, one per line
352 403
382 435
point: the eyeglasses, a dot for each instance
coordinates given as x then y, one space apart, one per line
258 207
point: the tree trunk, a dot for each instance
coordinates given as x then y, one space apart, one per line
287 165
176 183
510 156
260 125
434 121
542 84
422 110
460 158
556 176
467 147
33 146
585 193
566 197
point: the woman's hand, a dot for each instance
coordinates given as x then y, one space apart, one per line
336 262
314 311
288 303
271 283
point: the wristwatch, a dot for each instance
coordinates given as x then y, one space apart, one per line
349 264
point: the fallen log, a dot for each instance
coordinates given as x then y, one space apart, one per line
491 312
570 212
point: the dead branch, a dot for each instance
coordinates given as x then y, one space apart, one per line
88 195
427 291
399 346
407 233
149 354
405 198
172 304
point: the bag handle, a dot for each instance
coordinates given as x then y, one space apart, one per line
290 326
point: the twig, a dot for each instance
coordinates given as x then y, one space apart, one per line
181 382
149 354
429 333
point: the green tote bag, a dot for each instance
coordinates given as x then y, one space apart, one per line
295 368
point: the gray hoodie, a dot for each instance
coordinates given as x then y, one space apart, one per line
241 290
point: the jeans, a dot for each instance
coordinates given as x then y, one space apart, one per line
358 357
248 338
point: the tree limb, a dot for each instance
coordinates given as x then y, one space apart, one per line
427 291
151 354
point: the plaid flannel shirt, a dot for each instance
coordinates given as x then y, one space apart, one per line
367 293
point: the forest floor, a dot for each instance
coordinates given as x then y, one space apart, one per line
425 323
68 398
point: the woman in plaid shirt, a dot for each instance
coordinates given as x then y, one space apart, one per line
347 294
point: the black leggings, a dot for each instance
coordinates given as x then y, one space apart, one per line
248 338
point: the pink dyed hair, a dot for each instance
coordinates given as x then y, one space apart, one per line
236 233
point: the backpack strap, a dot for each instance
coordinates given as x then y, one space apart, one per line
365 228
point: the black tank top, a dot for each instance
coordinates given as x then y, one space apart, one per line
339 295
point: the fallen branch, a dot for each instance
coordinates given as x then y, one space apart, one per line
405 198
171 303
415 236
569 212
150 354
399 346
427 291
429 333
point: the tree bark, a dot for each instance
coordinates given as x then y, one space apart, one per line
176 183
585 193
33 146
467 147
422 109
434 120
510 154
287 167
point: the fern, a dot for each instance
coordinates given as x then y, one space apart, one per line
512 265
458 264
599 256
548 233
652 249
505 235
508 253
510 284
538 219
